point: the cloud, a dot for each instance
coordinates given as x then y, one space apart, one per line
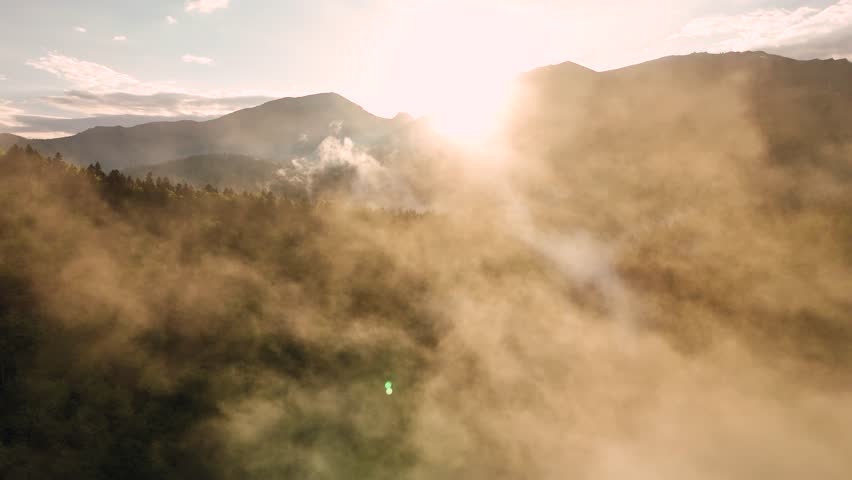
119 38
80 29
171 20
38 134
47 125
338 162
11 122
166 104
119 109
8 112
205 6
778 28
98 90
196 59
83 74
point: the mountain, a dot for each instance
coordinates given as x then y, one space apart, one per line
680 105
683 117
280 129
720 180
792 104
239 172
694 115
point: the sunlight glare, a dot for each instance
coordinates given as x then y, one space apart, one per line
457 70
473 114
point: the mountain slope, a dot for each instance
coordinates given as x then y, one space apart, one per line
279 129
566 111
791 103
721 181
694 115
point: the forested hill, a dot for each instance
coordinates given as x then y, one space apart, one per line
137 314
155 330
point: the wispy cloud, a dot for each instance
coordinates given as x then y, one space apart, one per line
83 74
8 112
119 38
205 6
101 90
38 134
81 29
163 104
196 59
10 122
777 28
44 123
171 20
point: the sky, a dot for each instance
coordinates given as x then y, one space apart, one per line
66 66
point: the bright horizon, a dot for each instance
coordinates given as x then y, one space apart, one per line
176 59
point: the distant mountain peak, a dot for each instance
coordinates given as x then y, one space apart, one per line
328 99
280 129
565 71
292 127
403 117
569 66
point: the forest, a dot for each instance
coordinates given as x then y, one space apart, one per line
134 310
151 329
426 240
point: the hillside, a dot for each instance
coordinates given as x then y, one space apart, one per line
789 112
792 104
689 124
280 129
715 179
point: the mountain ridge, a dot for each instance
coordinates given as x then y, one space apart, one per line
293 127
278 129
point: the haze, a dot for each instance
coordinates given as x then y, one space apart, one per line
425 240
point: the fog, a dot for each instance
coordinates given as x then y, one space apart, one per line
628 285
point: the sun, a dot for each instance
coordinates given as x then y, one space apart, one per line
456 70
472 114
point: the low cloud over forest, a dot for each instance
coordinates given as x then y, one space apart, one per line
645 274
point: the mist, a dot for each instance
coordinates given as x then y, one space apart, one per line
642 274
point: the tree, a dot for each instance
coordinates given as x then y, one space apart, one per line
96 171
